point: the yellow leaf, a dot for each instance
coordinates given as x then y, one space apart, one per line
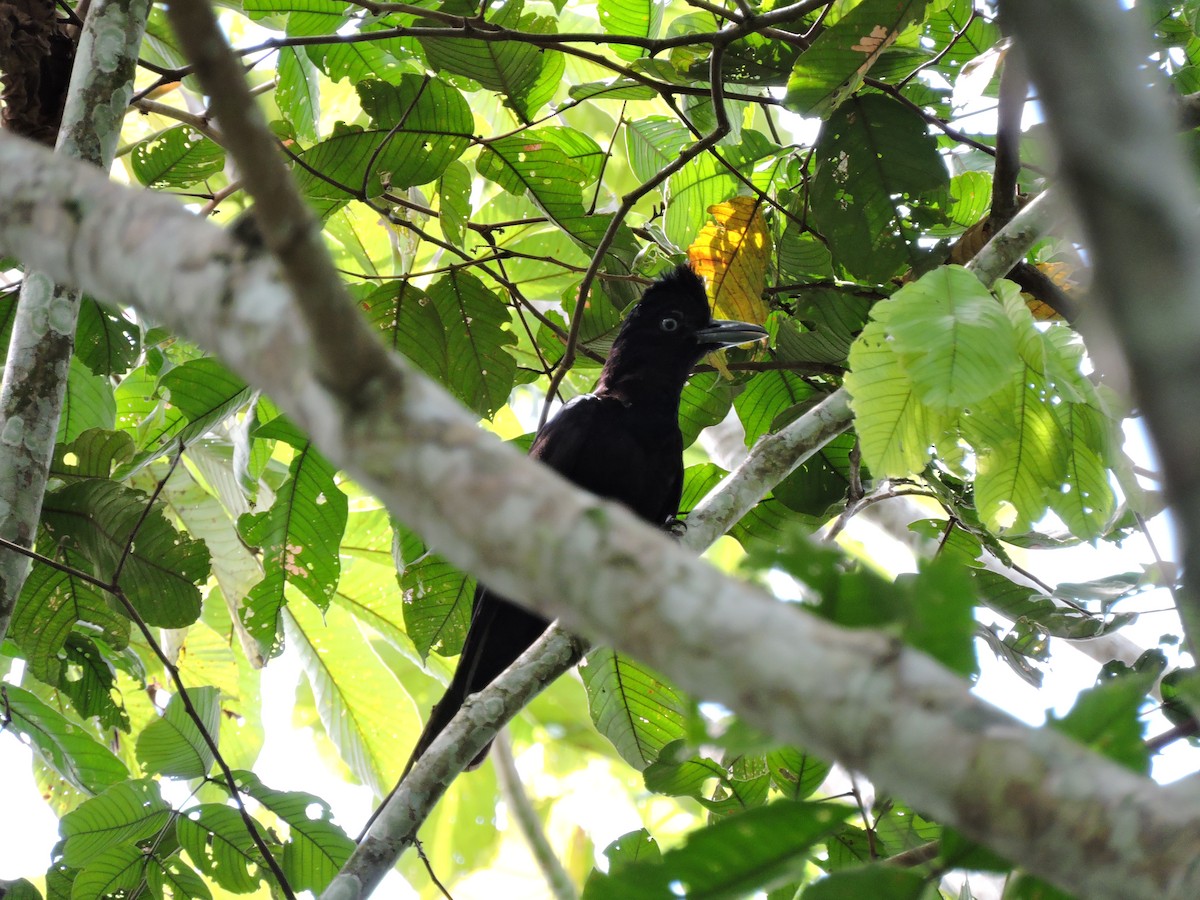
731 254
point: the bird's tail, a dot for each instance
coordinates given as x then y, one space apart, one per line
500 632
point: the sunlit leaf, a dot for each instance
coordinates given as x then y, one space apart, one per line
173 745
731 253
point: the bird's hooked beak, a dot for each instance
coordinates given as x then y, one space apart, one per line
720 333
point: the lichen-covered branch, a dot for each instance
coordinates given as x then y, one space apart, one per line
1136 195
43 335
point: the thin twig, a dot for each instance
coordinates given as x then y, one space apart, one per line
527 820
177 680
158 489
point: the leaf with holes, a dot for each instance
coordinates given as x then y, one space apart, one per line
123 815
216 839
477 341
52 604
316 848
298 536
874 157
842 54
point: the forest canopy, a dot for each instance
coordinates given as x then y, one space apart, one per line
268 382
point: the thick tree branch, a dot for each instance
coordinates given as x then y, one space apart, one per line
348 356
1123 166
481 718
43 335
1058 809
1008 246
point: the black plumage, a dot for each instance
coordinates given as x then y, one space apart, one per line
621 442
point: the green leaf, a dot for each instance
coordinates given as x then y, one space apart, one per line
177 877
511 68
1086 503
632 18
418 128
801 254
874 158
205 392
363 708
94 454
898 828
316 848
959 34
188 401
438 600
176 158
967 200
298 92
700 184
612 89
88 403
540 164
51 605
117 872
84 762
1026 887
127 812
636 846
834 66
952 336
633 707
1106 718
454 207
685 778
653 142
533 163
766 398
105 341
172 745
734 858
21 889
795 773
1022 456
163 567
422 124
896 431
298 535
823 328
409 324
216 839
706 400
848 847
878 882
820 484
477 341
88 679
940 614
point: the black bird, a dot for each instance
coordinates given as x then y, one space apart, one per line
621 442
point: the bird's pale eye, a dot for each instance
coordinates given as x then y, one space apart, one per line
669 324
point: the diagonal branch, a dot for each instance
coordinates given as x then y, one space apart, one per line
1136 194
43 335
348 355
